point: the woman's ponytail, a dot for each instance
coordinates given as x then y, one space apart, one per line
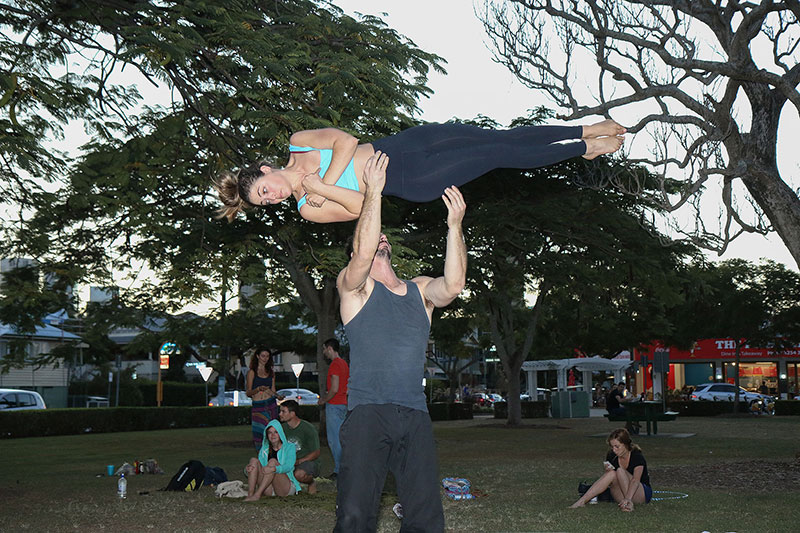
227 186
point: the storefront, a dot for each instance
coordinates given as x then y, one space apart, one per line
714 360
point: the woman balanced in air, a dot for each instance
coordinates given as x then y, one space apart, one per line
325 171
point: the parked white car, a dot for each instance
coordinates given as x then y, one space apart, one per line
20 400
230 398
725 392
301 396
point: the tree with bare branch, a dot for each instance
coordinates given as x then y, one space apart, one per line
704 86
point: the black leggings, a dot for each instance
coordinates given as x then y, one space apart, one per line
424 160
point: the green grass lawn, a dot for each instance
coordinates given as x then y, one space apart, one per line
741 474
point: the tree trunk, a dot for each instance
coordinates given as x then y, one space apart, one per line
758 151
514 402
324 302
780 204
327 319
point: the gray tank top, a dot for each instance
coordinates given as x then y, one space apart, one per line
388 339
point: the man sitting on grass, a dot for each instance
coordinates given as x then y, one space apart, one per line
305 438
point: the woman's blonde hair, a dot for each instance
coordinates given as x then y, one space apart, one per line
234 189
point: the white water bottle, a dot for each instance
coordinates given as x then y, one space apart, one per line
122 487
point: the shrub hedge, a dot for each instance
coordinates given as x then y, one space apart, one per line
787 407
75 421
536 409
450 411
143 392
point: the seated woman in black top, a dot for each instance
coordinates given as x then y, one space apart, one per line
626 474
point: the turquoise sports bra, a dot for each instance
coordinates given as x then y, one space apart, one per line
348 179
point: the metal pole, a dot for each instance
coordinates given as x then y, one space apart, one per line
119 363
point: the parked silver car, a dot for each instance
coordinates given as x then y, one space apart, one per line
725 392
19 400
301 396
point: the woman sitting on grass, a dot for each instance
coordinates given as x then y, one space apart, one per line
626 474
272 472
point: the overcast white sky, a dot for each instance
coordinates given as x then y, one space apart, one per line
475 85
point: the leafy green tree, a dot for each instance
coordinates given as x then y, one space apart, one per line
138 199
554 267
450 329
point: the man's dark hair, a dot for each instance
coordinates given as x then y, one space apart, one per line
332 343
291 405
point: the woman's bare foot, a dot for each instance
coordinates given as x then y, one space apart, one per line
576 505
603 145
251 499
606 128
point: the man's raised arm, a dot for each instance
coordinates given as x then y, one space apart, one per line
368 228
444 289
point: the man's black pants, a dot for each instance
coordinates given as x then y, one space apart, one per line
378 438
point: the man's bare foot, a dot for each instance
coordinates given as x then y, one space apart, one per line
251 499
606 128
603 145
312 487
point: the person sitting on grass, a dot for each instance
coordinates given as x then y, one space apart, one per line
272 472
626 474
304 436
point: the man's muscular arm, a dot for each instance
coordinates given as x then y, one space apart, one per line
444 289
368 228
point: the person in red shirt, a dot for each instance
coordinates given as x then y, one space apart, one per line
335 400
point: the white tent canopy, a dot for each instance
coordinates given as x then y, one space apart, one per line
587 365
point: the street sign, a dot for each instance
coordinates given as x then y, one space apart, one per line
205 371
167 349
297 368
661 361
